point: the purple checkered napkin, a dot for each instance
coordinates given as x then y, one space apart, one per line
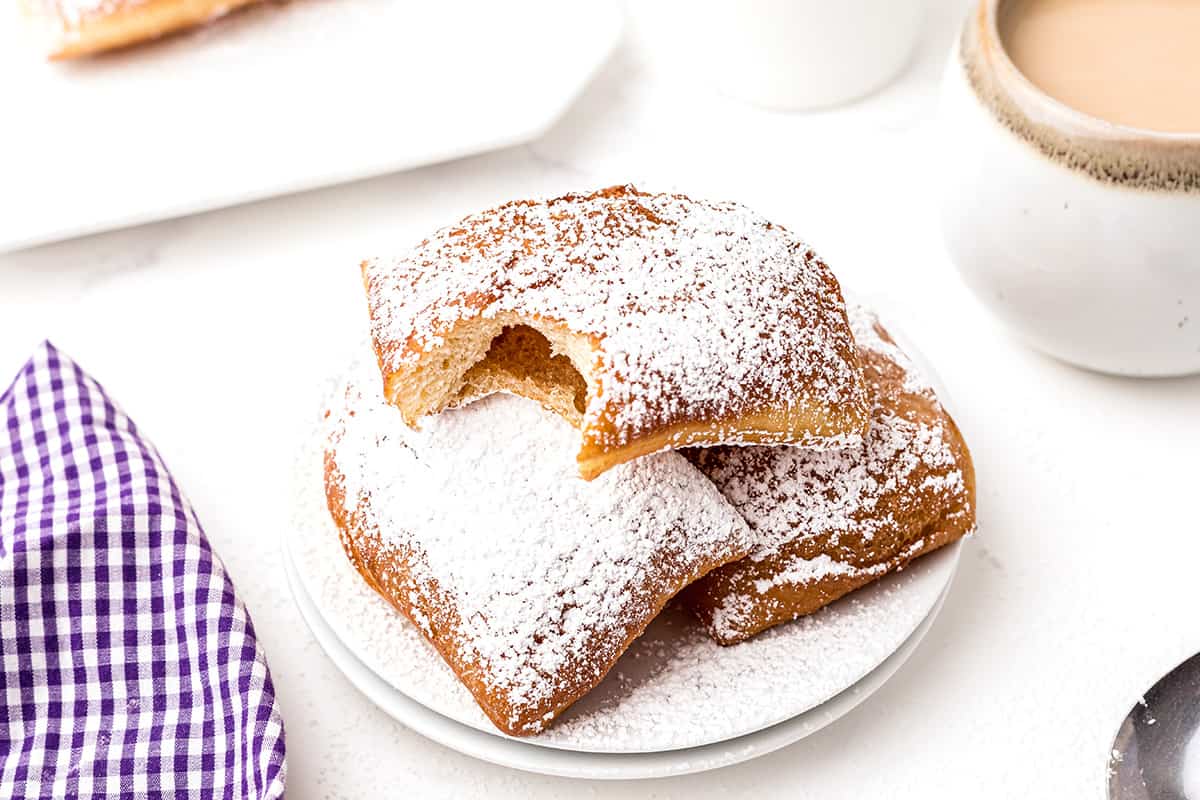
128 667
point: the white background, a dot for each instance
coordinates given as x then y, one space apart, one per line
214 331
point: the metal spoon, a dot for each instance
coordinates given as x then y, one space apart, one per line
1156 755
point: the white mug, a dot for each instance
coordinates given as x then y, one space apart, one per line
1081 235
786 54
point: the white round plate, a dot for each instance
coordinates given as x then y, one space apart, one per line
673 693
519 754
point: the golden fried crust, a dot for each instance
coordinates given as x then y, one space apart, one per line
684 322
396 564
385 570
75 28
826 534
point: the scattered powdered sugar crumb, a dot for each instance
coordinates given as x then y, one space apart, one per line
545 572
673 688
704 310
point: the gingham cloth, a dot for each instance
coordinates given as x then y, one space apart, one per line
128 667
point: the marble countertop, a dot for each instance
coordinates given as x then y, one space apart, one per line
215 332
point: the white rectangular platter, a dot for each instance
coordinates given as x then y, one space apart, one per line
279 98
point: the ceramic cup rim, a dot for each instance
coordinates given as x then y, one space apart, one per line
1053 111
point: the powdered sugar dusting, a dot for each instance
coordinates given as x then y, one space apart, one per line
74 12
540 575
702 311
783 491
805 570
859 511
673 688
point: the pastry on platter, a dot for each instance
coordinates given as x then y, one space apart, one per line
76 28
650 321
528 580
826 523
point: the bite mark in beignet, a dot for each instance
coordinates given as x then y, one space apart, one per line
661 322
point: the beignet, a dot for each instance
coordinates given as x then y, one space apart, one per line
826 523
528 580
650 321
74 28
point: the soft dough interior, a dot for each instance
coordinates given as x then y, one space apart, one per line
537 360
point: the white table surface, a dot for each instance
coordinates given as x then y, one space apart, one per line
213 331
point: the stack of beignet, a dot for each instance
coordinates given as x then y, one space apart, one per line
533 538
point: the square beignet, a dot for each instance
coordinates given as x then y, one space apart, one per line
527 579
649 321
826 523
75 28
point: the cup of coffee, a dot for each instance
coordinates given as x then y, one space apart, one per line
1070 177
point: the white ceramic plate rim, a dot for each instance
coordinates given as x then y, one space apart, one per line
927 578
526 755
938 567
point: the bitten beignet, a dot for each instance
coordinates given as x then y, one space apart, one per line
650 321
75 28
529 581
826 523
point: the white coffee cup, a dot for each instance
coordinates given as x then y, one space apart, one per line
1081 235
787 54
